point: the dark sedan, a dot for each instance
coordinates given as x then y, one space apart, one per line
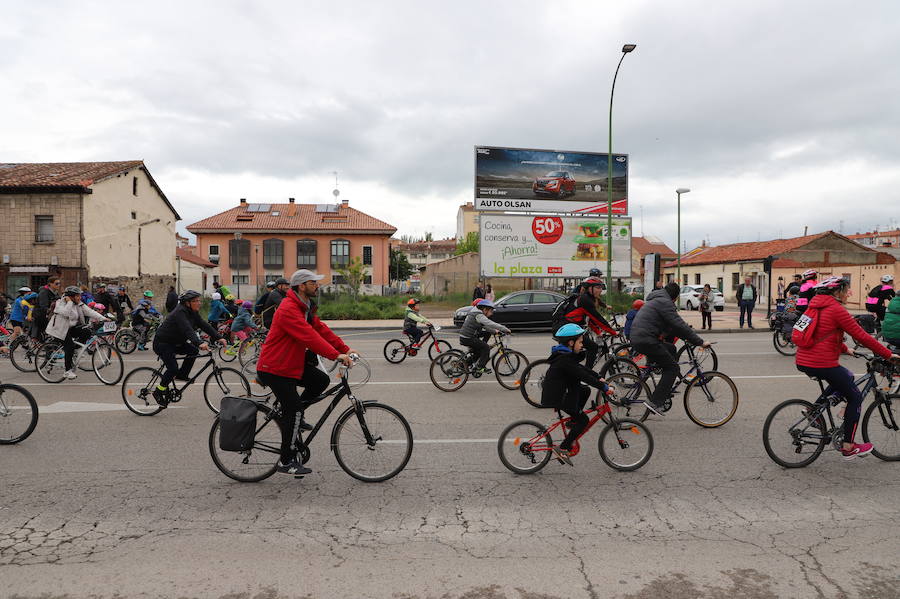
520 309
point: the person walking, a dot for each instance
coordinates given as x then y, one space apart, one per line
489 293
746 298
478 292
171 299
706 306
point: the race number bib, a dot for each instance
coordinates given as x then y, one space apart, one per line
108 327
802 323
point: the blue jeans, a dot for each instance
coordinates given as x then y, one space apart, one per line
747 308
840 380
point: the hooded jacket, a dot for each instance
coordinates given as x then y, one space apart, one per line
67 315
658 318
562 384
833 321
217 311
890 328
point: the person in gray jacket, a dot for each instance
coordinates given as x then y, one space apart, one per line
657 321
471 330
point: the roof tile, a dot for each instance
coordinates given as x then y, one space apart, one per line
291 217
754 250
60 174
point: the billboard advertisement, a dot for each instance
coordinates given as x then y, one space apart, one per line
548 181
552 246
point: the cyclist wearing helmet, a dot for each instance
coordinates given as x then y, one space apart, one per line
821 359
275 296
594 273
807 289
478 322
243 324
585 312
124 300
139 318
217 311
412 320
629 318
69 323
566 384
261 302
177 335
18 313
879 295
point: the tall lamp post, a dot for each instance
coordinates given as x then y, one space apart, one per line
625 50
679 191
237 263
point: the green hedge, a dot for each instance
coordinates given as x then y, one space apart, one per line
366 307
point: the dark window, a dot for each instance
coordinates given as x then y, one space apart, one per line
306 253
367 280
340 253
684 279
214 254
239 253
697 279
720 283
242 279
338 280
367 255
273 253
133 215
43 229
735 279
134 186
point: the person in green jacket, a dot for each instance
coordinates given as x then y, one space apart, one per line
890 328
412 319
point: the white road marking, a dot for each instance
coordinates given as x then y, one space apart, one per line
71 407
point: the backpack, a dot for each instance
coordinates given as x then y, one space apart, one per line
558 317
804 330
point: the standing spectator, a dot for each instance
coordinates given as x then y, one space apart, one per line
489 293
706 301
746 298
171 299
478 292
48 294
275 297
123 299
781 286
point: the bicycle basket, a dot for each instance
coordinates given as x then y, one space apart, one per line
237 423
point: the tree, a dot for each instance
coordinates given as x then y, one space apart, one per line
400 268
354 274
468 244
428 236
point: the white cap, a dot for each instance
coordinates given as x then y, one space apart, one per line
24 289
217 296
303 275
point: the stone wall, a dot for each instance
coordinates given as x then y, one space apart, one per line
17 229
158 284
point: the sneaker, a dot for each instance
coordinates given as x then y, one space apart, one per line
305 426
483 371
858 450
141 348
658 410
69 374
161 397
293 468
562 456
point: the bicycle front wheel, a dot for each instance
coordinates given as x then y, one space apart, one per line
386 451
21 353
508 366
256 463
880 427
627 399
126 341
249 349
449 371
222 382
790 437
394 351
625 445
783 345
437 348
705 356
227 352
50 361
525 447
107 363
137 391
531 383
18 414
711 399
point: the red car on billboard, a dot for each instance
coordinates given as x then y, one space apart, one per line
555 183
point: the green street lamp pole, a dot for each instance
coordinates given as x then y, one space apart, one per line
679 191
609 235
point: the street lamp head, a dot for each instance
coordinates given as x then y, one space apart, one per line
628 48
238 235
682 190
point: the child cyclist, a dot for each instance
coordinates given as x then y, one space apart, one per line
412 319
474 331
821 358
566 385
140 318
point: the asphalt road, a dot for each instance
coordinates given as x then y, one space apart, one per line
99 502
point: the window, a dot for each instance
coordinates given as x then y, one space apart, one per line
338 280
273 253
134 186
697 279
214 254
543 298
367 280
684 279
240 279
43 229
735 279
720 284
367 255
215 279
306 253
340 253
521 298
272 278
133 215
239 253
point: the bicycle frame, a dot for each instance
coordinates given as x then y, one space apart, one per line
190 381
823 406
598 410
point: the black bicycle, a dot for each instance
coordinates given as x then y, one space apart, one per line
450 370
23 352
396 350
18 414
138 386
797 431
371 441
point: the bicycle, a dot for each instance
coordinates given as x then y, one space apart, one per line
526 446
395 350
127 339
362 373
365 435
710 397
452 369
18 414
250 347
781 337
796 432
138 386
106 360
23 351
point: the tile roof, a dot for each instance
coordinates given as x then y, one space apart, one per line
443 245
754 250
291 217
893 233
188 256
644 247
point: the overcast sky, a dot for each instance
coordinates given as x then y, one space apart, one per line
777 115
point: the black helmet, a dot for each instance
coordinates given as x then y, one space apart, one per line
271 284
594 272
281 281
187 296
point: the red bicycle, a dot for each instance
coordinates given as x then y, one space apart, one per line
395 350
625 444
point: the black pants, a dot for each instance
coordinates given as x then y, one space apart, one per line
81 334
878 310
706 319
574 407
661 354
414 332
840 380
591 349
747 308
482 349
313 381
167 352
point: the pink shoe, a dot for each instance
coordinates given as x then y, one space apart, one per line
857 451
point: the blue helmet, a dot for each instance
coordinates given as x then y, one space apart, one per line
485 304
569 331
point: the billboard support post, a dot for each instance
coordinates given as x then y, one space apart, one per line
625 50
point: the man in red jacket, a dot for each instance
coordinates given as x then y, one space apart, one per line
288 360
821 359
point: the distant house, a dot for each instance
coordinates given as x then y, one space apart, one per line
194 272
466 220
423 253
640 248
85 222
878 239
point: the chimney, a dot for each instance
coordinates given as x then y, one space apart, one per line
290 200
243 200
345 202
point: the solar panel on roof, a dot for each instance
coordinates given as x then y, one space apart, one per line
326 208
259 207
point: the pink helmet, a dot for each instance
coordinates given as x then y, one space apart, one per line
97 306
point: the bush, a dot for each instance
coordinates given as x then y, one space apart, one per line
366 307
619 302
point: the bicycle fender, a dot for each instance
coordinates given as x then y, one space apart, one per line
351 409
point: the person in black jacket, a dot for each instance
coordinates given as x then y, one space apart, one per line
261 302
48 294
111 304
793 285
171 299
275 297
566 385
177 335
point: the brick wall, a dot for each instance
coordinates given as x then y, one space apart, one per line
17 229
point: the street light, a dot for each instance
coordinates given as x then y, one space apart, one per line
625 50
679 191
237 263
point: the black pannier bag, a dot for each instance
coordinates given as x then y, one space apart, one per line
866 321
787 322
237 423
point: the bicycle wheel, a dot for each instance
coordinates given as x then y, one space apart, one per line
126 341
256 463
531 383
249 349
107 363
257 389
21 353
880 427
625 350
525 447
222 382
711 399
50 361
791 439
449 371
783 346
394 351
227 352
18 414
628 394
137 391
437 348
508 366
705 356
625 445
617 364
391 447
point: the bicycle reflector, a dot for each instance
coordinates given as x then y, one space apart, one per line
635 430
516 441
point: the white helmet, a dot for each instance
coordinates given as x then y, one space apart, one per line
28 289
809 274
887 279
217 296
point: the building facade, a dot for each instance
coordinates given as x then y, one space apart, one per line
194 272
466 220
878 239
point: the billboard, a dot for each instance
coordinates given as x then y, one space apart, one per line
552 246
548 181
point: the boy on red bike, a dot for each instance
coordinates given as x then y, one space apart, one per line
412 319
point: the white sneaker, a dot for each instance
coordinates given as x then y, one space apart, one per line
70 374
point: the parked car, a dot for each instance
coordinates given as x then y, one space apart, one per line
554 183
520 309
690 298
635 290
